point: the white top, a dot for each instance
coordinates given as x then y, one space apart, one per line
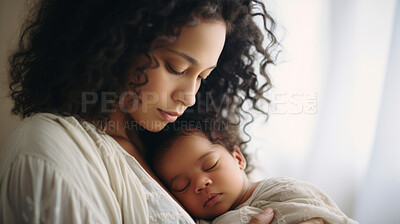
292 201
58 170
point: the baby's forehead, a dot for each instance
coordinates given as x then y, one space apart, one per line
189 151
192 145
187 146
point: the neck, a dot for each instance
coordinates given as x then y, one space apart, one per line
247 190
116 126
123 128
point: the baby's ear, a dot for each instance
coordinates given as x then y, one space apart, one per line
238 156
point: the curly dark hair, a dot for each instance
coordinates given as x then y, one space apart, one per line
71 47
220 132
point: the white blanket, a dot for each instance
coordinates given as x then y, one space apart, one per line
292 201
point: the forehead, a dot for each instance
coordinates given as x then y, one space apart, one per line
203 41
184 153
190 145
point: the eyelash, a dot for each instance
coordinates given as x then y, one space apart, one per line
183 190
181 73
212 166
173 71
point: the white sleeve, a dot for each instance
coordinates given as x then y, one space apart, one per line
34 191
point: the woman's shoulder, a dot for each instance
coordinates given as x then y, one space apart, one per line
40 129
55 155
48 137
43 122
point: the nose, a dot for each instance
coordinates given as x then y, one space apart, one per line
202 183
186 92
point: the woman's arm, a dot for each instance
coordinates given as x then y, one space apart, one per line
35 191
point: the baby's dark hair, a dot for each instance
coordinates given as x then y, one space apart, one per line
69 48
216 131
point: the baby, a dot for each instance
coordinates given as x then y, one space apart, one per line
205 171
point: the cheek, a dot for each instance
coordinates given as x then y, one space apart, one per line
156 85
188 201
230 175
153 82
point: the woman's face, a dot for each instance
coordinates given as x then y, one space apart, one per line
172 86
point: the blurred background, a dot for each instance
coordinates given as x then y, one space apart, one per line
334 117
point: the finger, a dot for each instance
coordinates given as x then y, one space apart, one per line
264 217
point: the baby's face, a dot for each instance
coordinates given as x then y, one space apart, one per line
206 178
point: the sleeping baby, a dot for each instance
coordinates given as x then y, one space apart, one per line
205 170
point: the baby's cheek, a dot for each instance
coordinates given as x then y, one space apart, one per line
183 200
188 202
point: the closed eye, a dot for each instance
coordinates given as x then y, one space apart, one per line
183 189
212 167
170 69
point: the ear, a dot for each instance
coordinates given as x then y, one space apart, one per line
238 156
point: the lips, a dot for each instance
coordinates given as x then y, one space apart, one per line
212 199
169 116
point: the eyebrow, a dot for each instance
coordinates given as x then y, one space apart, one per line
201 157
188 58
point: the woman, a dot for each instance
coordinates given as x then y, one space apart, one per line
88 74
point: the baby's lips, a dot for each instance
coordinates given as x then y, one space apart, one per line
212 199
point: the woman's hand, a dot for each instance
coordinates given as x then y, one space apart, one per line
264 217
